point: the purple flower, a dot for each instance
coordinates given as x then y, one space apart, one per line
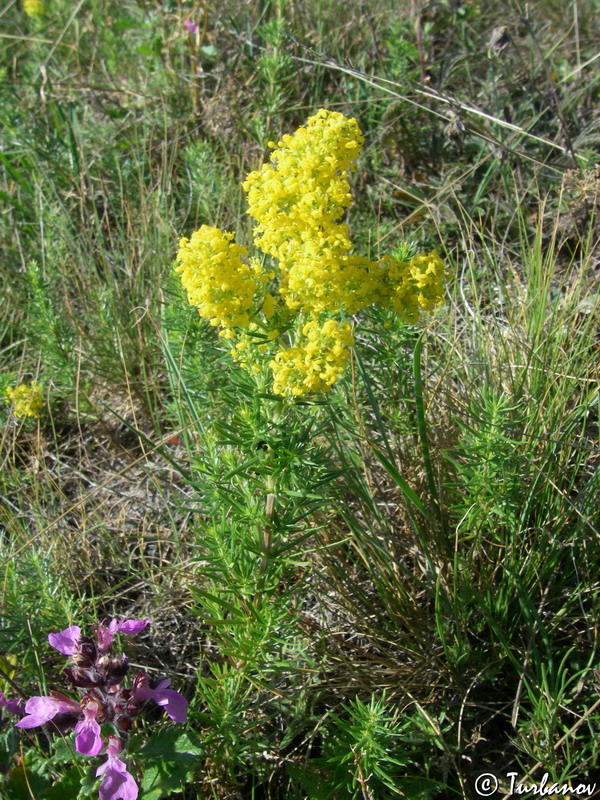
174 703
12 706
107 634
98 674
67 641
40 710
191 26
117 783
132 625
88 741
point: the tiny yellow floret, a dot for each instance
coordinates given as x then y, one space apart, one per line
414 286
298 202
268 306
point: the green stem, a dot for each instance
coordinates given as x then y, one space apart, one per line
422 429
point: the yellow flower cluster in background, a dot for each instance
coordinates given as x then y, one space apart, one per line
298 201
33 8
26 400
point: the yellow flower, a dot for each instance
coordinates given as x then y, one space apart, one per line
34 8
317 363
27 400
218 282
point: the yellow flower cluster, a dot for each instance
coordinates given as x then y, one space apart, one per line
306 187
33 8
317 364
217 279
298 201
27 400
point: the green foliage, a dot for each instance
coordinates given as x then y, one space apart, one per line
275 71
491 470
370 752
36 599
48 331
204 177
168 760
28 777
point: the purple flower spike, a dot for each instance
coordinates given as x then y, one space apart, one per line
97 673
191 26
67 641
88 740
117 783
174 703
40 710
